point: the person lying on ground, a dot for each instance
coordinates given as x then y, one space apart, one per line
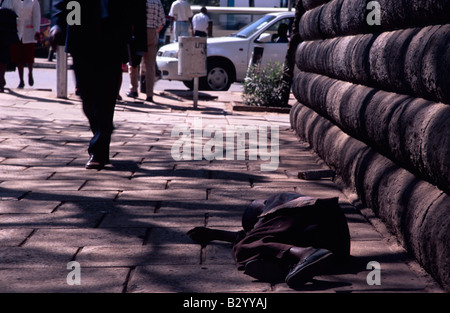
289 236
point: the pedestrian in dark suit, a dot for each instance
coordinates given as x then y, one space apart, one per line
98 45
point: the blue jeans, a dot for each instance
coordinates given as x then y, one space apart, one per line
180 29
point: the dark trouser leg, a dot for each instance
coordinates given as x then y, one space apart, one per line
150 60
99 85
2 76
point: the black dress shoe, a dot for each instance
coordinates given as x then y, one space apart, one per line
149 99
318 262
94 163
132 94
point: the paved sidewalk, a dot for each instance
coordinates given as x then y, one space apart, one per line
126 225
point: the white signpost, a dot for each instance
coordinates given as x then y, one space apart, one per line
192 60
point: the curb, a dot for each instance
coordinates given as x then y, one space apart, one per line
44 63
246 108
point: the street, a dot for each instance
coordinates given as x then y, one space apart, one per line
45 79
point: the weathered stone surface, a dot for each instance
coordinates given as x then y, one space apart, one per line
359 53
396 125
436 224
193 278
436 65
54 280
308 25
32 257
414 210
387 59
82 237
310 4
352 17
329 19
347 17
411 61
132 255
426 12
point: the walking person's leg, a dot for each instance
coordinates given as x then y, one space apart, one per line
2 77
29 54
150 62
134 81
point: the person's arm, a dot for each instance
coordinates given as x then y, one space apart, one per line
210 28
59 13
36 19
171 23
161 17
171 17
204 235
59 23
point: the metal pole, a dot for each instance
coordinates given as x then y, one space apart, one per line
195 91
61 72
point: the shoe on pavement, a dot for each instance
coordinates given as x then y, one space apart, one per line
318 262
94 163
132 94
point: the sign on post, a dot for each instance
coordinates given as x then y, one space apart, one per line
192 60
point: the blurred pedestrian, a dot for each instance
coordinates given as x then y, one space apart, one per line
288 237
180 18
134 70
8 35
99 47
28 27
137 48
201 24
156 19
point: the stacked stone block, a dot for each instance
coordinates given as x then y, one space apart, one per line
374 102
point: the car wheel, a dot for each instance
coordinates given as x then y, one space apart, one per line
218 77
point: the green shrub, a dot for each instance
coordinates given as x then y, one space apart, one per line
263 85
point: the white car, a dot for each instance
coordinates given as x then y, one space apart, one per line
228 57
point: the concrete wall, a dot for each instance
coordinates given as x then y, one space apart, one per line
374 102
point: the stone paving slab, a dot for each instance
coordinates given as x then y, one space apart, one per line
52 220
12 237
93 280
26 257
193 278
134 255
27 206
83 237
126 225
